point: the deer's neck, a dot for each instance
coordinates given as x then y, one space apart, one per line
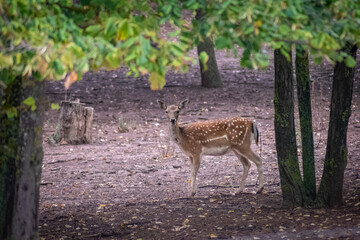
176 133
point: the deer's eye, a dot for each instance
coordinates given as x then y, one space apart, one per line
178 111
166 112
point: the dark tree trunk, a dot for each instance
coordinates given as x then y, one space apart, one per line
331 186
21 143
290 178
9 157
304 101
210 77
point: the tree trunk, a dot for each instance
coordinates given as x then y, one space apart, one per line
9 157
304 101
331 186
21 161
75 124
290 178
210 77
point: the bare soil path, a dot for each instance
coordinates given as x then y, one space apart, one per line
133 184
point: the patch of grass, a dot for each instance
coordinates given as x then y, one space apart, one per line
125 125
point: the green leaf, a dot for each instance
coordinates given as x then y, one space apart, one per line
58 67
284 29
110 29
5 60
318 60
11 112
177 50
203 58
249 30
221 43
131 56
285 53
67 60
30 101
103 16
93 30
318 41
157 82
174 34
129 42
191 4
123 32
113 60
55 106
350 62
167 9
145 45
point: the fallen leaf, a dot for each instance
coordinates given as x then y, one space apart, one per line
186 221
70 79
213 235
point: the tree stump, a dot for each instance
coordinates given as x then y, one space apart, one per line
75 124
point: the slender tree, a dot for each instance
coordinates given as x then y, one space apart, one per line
331 186
290 178
304 104
210 76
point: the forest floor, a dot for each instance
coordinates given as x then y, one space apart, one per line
133 183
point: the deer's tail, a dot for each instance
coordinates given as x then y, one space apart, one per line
255 133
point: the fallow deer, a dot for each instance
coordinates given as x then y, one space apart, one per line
215 138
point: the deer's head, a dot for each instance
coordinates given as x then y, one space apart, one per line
173 111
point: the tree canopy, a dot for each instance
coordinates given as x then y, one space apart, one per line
322 26
49 39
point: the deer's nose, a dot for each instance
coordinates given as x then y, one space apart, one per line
172 121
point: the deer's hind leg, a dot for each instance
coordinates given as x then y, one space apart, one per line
253 157
246 165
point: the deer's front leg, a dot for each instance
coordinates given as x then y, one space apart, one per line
195 164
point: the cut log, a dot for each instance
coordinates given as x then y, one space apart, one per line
75 124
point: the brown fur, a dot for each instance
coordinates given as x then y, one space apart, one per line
216 138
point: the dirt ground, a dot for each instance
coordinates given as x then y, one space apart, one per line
132 183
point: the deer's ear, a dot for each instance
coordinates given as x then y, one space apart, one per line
183 104
162 104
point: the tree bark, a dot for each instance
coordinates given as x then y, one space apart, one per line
331 186
290 178
75 123
9 157
210 78
304 102
21 143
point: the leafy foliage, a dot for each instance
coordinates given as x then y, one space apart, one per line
322 26
48 39
57 39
